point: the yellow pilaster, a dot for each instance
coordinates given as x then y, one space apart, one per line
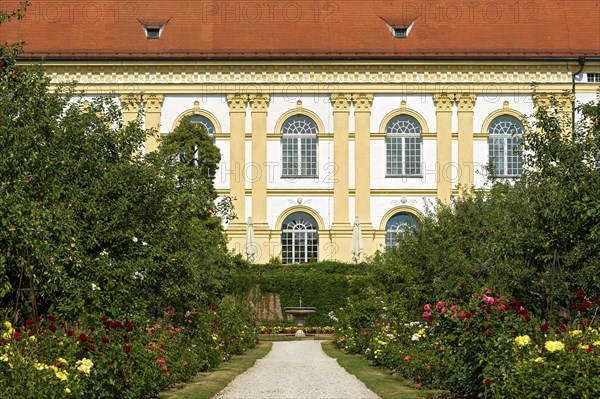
466 175
259 103
259 178
443 105
362 165
130 104
237 141
341 188
153 107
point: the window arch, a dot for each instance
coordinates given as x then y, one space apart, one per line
299 146
403 146
505 136
399 225
202 121
299 238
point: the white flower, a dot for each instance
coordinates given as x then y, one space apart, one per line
104 252
415 337
138 276
95 287
144 243
135 239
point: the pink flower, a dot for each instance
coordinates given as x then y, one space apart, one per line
167 374
439 305
453 308
407 358
427 307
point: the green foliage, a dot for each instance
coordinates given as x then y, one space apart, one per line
535 238
91 224
325 285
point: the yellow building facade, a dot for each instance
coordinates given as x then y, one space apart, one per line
347 117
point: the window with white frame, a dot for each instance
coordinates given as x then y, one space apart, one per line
403 146
202 121
593 77
398 226
299 147
505 136
299 238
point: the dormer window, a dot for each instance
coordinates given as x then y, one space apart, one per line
153 30
152 33
593 77
399 29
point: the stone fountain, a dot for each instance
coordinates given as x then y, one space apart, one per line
298 313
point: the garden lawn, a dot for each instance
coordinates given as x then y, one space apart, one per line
379 381
206 385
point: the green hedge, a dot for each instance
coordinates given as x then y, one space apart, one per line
324 285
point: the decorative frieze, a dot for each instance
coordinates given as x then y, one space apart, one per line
296 74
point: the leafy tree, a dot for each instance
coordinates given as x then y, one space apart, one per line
535 238
88 224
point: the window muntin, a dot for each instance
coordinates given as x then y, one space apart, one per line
203 121
403 146
593 77
399 225
504 144
299 238
299 147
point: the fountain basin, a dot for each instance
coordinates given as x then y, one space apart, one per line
299 313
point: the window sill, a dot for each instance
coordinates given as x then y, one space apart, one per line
404 176
299 177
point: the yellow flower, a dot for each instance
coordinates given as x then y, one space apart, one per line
84 366
575 333
596 343
63 361
62 375
7 325
522 340
539 360
4 358
40 366
67 391
32 338
554 346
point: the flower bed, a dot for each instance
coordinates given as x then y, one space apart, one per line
292 330
117 358
488 347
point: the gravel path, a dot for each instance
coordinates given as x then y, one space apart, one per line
296 369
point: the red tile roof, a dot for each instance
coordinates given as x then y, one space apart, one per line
307 29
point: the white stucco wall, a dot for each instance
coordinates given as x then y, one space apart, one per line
317 103
277 205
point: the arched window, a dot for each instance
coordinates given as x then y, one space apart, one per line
203 121
505 135
403 143
299 238
299 147
399 225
